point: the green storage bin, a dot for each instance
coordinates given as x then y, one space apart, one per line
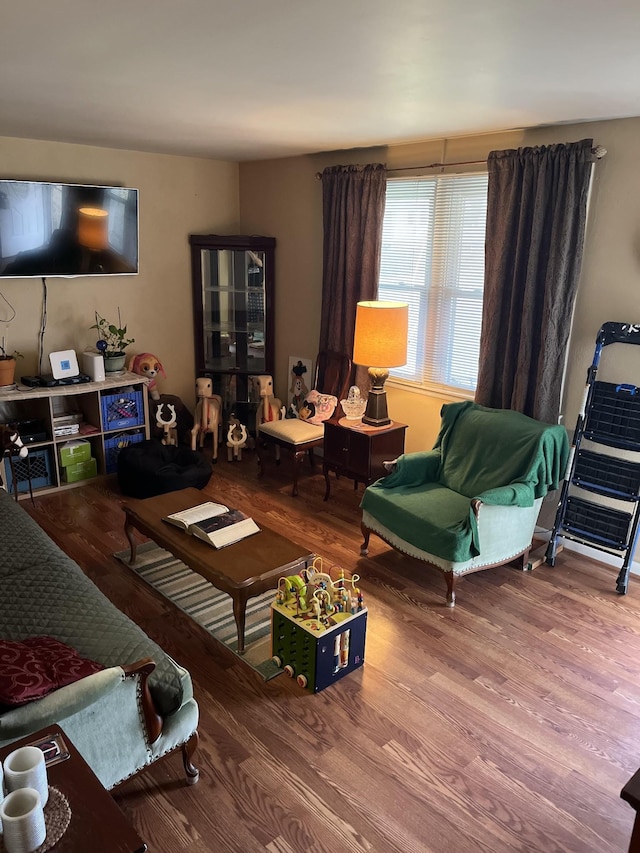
80 471
74 451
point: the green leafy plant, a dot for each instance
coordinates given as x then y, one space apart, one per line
5 356
113 339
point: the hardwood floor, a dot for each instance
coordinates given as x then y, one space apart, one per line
509 723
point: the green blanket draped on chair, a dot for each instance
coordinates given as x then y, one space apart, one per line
496 456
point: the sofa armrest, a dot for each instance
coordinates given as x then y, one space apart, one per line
21 721
413 469
69 700
142 669
514 494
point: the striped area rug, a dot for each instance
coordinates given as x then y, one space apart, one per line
206 605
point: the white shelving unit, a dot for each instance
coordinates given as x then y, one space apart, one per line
117 407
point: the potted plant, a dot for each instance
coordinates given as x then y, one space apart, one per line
112 342
8 365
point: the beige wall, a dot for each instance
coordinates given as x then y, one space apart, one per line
178 196
283 199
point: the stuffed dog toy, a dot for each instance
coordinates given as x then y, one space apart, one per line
147 364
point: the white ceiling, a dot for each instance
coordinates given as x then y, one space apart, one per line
254 79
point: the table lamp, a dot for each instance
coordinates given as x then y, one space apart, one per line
380 342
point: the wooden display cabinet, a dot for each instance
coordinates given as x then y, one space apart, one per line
233 311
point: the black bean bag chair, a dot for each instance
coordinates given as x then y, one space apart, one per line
151 468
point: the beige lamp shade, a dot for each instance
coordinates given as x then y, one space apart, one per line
92 228
380 338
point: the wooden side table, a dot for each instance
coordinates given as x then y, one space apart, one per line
97 824
358 451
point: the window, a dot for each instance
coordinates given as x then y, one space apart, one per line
433 258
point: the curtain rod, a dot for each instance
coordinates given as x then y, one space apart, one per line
427 166
598 152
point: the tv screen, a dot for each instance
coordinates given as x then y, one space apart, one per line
49 229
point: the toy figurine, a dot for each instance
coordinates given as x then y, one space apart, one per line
298 389
147 364
168 427
236 439
207 415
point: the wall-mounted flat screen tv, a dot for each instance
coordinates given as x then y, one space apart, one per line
49 229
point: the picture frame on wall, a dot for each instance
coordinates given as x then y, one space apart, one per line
300 380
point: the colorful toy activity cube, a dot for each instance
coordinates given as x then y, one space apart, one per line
318 626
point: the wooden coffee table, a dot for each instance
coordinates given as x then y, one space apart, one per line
242 570
96 824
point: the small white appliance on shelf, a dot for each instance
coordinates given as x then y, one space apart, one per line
64 364
93 365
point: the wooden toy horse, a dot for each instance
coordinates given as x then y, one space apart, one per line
11 445
270 409
208 414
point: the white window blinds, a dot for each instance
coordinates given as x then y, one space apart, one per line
433 258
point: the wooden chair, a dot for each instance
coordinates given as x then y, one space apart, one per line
297 437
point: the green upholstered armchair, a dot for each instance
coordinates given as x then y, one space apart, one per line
473 501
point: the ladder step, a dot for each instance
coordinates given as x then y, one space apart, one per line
607 475
598 524
614 415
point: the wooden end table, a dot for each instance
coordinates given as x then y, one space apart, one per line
242 570
358 451
96 824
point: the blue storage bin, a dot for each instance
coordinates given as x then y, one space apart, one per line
113 446
122 410
39 463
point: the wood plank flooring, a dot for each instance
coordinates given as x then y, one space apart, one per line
509 723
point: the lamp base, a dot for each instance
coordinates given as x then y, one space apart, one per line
376 414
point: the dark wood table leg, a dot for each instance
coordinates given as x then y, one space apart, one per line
128 531
327 481
239 614
298 459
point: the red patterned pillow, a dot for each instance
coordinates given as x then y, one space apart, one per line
35 667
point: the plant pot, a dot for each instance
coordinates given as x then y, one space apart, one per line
7 371
114 362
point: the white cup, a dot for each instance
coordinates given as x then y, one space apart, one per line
25 768
22 821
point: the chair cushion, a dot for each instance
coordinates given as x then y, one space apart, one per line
429 516
37 666
293 431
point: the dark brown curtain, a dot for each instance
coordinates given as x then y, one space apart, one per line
536 215
353 210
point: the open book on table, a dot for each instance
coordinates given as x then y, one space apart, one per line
214 523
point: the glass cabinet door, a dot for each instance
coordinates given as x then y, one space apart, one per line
233 307
233 296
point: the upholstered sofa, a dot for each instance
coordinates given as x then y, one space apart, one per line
136 709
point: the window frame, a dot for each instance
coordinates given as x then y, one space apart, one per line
439 250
